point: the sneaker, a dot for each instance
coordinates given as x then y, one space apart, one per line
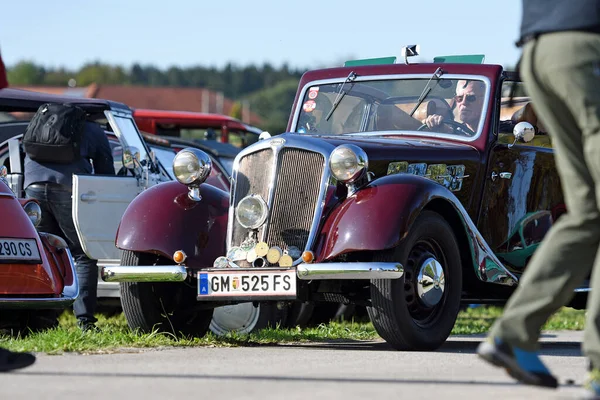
524 366
10 360
592 383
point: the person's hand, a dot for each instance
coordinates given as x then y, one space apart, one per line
433 121
437 121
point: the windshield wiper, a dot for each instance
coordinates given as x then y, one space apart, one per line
437 75
350 78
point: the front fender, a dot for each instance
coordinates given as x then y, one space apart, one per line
376 217
380 215
163 219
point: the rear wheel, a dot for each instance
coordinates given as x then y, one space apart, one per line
165 306
418 311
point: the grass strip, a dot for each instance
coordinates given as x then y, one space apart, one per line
115 335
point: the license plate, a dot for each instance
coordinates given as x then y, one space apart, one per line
19 250
245 284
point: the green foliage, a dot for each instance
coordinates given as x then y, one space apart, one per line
115 334
274 104
26 73
236 110
270 90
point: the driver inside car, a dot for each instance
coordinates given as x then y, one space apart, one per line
468 104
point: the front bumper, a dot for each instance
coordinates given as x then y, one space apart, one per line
317 271
65 299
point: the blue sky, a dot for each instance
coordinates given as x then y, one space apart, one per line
305 34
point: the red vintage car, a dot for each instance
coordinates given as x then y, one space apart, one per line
407 188
196 125
37 276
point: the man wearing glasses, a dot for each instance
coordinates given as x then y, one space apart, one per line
468 104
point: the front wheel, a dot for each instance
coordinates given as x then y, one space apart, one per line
418 311
163 306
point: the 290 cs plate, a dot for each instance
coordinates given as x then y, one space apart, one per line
19 250
247 284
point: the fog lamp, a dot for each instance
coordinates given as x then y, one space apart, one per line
252 212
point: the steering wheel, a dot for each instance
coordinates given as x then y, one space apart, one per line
456 127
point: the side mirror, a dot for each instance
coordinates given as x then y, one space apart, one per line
523 131
131 157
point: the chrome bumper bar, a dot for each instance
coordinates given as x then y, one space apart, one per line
178 273
67 297
144 273
350 270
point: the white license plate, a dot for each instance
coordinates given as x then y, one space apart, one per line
233 283
19 250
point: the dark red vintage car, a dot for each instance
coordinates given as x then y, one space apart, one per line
37 276
407 188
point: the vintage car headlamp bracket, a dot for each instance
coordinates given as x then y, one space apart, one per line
192 167
349 163
251 212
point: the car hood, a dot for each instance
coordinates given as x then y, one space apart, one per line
382 151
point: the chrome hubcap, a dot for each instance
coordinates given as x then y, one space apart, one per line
430 282
241 318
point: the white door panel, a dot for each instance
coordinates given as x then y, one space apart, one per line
99 202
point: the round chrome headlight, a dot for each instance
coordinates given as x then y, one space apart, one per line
251 212
191 166
34 212
348 162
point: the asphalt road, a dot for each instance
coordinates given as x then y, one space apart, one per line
344 370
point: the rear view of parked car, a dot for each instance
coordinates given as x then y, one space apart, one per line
37 275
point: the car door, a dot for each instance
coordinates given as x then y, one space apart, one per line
522 183
98 204
99 201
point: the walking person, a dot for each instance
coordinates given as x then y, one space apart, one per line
60 142
560 67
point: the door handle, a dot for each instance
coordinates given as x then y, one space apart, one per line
501 175
88 197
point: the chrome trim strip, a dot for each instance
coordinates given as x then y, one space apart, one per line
272 185
364 78
144 273
67 297
488 267
582 290
350 270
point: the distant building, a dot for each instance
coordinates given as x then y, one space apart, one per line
157 98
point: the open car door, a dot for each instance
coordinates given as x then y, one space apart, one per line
99 202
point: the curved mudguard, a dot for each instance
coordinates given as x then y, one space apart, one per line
163 219
381 214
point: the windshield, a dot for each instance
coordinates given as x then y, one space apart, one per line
129 132
452 106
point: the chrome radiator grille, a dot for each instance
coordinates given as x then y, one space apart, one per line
297 188
253 177
296 193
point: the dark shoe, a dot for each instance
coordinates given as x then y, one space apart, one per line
524 366
10 360
88 327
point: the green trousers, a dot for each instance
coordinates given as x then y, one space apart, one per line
561 73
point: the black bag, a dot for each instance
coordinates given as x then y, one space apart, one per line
54 133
